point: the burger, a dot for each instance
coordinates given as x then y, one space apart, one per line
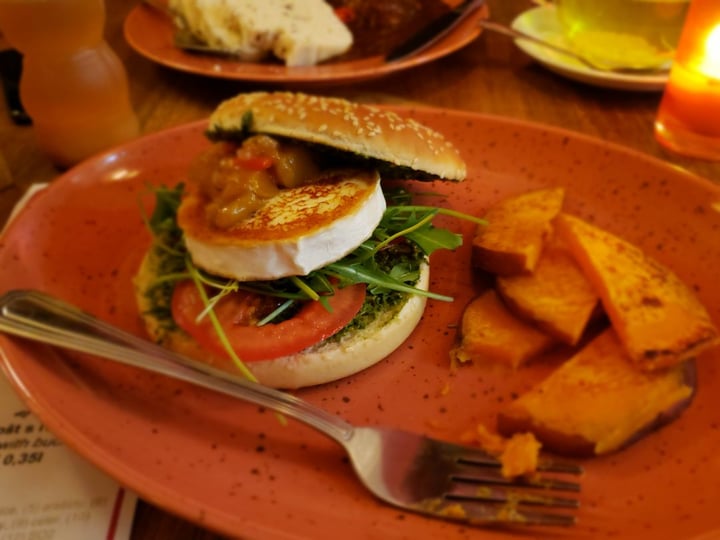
288 254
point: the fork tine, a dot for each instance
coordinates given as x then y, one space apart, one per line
483 493
558 466
545 482
486 513
479 473
480 457
489 493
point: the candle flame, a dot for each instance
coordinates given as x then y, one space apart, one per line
710 60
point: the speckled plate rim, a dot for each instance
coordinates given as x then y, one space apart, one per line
541 22
500 161
150 34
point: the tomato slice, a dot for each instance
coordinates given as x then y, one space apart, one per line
309 326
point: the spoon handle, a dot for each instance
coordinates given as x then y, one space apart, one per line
593 63
517 34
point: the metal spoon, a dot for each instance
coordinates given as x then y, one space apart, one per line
587 62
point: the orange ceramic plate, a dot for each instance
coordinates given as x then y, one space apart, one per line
150 33
233 468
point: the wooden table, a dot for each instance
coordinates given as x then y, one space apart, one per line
489 76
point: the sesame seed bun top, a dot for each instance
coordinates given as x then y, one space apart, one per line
364 130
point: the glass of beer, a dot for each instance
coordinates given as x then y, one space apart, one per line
640 34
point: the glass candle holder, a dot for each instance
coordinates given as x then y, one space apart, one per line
688 120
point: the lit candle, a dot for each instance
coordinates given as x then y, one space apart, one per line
688 121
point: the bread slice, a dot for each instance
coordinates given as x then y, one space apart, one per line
364 130
299 33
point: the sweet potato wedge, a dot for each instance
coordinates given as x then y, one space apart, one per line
599 401
657 317
556 296
513 238
490 334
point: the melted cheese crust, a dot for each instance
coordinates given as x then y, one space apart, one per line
298 231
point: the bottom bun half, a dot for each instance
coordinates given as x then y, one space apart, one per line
330 360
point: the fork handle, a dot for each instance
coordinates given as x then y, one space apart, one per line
40 317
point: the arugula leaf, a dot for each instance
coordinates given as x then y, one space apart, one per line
163 219
430 239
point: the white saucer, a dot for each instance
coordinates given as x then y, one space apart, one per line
541 22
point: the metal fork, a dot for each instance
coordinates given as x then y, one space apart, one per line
405 469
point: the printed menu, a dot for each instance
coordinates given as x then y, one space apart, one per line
48 492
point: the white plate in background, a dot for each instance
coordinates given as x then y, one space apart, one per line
542 22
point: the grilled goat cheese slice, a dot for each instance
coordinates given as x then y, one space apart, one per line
297 231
